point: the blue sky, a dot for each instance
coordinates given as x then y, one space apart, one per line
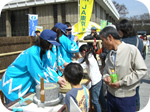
134 7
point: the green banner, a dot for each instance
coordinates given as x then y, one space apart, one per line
109 23
103 24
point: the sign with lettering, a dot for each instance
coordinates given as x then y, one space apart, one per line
33 21
86 7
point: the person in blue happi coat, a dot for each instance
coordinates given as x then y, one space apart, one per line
25 72
53 60
68 31
67 47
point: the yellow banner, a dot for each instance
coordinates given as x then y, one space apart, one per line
86 7
40 28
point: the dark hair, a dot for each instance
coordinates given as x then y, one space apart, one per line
87 50
126 28
37 31
73 73
68 24
43 44
144 36
58 31
109 30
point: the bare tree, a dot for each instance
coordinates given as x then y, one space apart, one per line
134 18
121 8
144 16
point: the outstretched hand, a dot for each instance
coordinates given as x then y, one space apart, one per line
65 64
76 38
61 69
61 82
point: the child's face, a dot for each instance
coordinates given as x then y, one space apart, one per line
144 38
82 53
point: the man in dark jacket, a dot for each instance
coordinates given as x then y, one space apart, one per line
92 36
128 35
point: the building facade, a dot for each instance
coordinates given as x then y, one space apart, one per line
14 16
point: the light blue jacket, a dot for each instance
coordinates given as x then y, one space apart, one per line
67 48
53 59
71 37
24 73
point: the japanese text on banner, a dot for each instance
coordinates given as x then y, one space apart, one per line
86 7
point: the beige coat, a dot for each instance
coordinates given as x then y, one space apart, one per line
129 67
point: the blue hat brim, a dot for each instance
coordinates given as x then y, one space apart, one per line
54 43
64 33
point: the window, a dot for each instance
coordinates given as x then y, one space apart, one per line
19 22
55 13
3 24
34 10
63 13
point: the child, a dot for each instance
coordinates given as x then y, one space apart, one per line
73 73
89 62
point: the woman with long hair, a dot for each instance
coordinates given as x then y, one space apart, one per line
25 72
52 58
67 47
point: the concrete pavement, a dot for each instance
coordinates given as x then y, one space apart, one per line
145 86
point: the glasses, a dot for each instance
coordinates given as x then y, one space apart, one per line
68 29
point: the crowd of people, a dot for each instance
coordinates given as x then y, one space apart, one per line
51 58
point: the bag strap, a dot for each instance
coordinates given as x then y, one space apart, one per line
86 97
137 43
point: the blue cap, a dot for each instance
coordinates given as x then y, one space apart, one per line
50 36
93 28
62 27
